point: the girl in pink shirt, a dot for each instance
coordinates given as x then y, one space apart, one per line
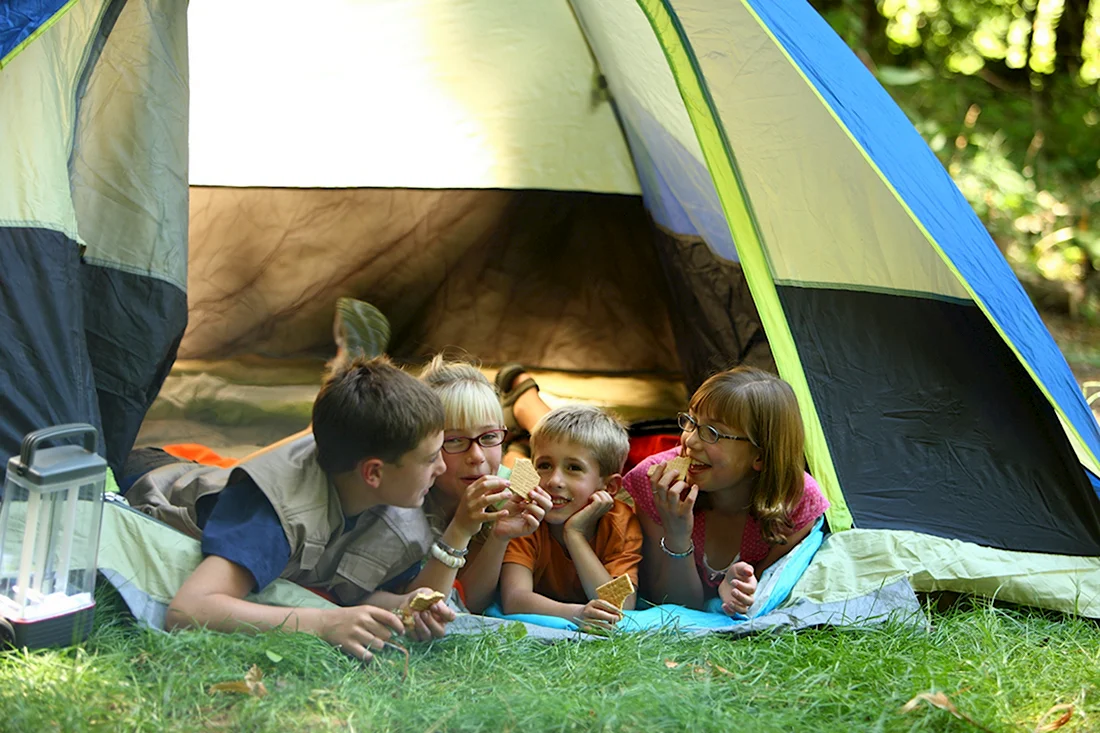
743 502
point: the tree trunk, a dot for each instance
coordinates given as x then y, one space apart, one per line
1070 35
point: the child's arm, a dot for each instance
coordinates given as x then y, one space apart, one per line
578 530
213 597
517 595
671 579
473 510
482 576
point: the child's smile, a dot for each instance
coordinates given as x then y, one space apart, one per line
569 473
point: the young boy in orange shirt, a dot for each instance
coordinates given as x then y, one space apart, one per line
588 537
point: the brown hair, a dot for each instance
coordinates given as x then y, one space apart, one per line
590 427
368 408
764 407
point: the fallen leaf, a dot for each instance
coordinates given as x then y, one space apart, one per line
671 664
1044 727
941 701
274 656
250 685
719 668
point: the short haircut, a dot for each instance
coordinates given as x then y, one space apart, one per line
588 426
469 399
368 408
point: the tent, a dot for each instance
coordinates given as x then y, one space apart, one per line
624 186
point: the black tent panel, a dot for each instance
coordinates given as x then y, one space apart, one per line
133 324
45 373
934 426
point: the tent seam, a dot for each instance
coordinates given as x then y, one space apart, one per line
37 32
703 115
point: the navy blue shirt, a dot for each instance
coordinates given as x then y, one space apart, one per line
240 525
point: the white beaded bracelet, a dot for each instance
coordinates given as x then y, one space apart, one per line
454 563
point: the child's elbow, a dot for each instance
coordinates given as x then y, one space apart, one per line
178 617
509 598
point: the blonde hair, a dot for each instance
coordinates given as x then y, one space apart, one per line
591 427
764 407
469 399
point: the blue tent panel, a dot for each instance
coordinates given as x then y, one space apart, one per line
20 18
890 140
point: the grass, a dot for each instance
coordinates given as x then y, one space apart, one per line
1002 667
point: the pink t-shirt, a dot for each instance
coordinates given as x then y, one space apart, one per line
753 547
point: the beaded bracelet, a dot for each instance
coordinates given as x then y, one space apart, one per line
454 563
686 553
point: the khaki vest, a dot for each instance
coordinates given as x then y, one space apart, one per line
385 541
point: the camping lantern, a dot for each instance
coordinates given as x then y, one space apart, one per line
49 537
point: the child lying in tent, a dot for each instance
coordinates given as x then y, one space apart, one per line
588 537
744 440
471 532
743 502
335 509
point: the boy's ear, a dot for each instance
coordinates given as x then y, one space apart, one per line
370 470
613 483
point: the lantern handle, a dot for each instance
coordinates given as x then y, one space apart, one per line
31 441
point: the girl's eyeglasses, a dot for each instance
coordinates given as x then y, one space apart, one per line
490 439
707 433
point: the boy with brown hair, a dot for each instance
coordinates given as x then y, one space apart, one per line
588 537
335 509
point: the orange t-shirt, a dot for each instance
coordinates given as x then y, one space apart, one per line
618 545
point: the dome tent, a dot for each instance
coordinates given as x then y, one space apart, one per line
474 169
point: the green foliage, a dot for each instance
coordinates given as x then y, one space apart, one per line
1005 92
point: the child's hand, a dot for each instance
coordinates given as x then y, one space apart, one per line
738 588
674 508
476 506
584 521
523 517
430 623
599 613
356 630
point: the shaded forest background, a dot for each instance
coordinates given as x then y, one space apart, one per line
1006 93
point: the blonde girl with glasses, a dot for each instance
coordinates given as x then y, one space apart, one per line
462 505
743 501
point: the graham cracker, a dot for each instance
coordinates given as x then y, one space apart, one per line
424 601
524 478
679 464
616 591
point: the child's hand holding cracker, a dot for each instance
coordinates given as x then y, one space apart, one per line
425 615
674 507
476 506
600 613
524 516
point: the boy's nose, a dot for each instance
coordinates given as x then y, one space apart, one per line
554 480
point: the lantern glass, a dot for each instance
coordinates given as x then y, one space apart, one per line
49 538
